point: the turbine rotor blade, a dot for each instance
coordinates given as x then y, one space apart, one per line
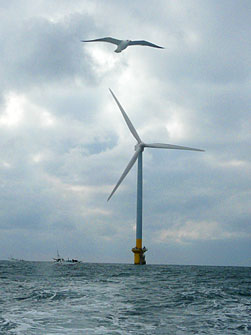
127 120
169 146
127 169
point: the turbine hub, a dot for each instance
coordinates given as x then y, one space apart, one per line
140 146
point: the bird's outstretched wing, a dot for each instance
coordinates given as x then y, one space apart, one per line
146 43
105 39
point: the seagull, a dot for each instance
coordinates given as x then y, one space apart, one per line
123 44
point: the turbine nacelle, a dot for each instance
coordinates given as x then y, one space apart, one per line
139 146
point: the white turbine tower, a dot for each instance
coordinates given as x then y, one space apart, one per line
139 257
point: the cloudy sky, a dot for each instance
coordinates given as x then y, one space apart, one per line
64 143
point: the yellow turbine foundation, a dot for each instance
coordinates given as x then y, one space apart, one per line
139 257
139 243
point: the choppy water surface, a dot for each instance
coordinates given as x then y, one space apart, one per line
45 298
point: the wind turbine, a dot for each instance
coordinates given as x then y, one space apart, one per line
139 257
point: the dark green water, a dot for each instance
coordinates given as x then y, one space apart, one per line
45 298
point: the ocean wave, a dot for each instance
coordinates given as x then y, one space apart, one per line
41 299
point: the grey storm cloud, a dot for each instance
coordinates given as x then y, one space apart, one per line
36 51
64 142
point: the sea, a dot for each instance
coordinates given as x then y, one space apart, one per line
43 298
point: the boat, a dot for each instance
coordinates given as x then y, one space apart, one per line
61 260
58 259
